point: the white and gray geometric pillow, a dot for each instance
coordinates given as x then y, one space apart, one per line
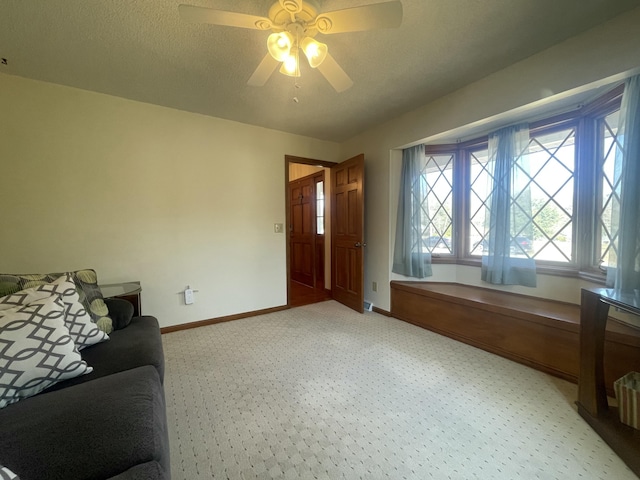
86 283
36 350
81 328
6 474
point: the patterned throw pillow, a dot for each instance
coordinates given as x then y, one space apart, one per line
7 288
36 350
6 474
86 282
82 330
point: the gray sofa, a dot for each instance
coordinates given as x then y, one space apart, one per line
110 423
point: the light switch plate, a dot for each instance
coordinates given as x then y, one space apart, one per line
278 228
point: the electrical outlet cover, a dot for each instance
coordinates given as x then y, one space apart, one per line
188 296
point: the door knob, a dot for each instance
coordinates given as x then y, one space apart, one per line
358 244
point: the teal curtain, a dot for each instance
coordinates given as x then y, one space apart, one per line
625 274
410 257
508 162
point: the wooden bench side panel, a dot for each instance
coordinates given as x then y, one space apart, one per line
548 344
553 350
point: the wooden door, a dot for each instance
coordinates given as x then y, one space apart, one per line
302 231
347 233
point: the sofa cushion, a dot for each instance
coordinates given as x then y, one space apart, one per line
137 345
36 350
86 282
82 330
94 430
145 471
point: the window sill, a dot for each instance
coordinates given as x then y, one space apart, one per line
443 259
556 270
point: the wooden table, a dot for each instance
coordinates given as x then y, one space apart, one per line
592 397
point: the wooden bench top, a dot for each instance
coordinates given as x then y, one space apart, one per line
495 300
540 310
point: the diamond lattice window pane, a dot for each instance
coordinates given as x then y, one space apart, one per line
542 208
552 159
437 204
610 206
478 195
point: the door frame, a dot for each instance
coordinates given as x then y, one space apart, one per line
288 159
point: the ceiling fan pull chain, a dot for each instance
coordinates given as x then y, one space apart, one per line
296 85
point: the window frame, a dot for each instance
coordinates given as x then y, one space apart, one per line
586 177
441 150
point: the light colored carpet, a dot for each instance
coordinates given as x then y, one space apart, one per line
323 392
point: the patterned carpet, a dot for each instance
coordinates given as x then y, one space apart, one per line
321 392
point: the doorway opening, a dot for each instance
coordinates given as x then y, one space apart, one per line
308 231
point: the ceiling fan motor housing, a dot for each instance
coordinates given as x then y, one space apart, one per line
294 16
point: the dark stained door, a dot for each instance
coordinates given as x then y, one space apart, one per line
302 231
347 233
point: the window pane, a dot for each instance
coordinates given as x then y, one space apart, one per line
320 208
478 195
437 205
542 209
552 161
606 250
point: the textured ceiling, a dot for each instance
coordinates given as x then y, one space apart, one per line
142 50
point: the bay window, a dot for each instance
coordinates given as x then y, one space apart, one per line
564 221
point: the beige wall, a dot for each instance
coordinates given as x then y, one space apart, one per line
607 52
170 198
141 192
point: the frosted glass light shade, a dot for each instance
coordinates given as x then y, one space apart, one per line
290 66
315 51
279 45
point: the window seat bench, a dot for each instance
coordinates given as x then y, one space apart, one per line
537 332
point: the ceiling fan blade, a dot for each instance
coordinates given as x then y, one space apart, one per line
334 74
191 13
357 19
263 72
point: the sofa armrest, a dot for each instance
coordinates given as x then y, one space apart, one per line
90 431
148 471
120 311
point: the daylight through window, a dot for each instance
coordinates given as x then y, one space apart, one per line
546 217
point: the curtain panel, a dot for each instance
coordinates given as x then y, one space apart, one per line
509 208
409 255
625 273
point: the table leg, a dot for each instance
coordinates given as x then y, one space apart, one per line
592 395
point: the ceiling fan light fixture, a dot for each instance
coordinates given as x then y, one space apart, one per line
315 51
294 23
290 66
279 45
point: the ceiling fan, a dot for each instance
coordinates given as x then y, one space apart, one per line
294 24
